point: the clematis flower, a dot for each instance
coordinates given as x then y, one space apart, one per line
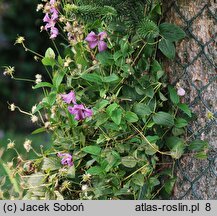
180 91
67 159
68 98
97 40
80 112
50 19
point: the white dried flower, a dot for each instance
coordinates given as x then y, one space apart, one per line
27 145
34 118
67 62
8 70
11 144
19 40
84 187
47 124
12 107
39 7
86 177
38 78
129 61
34 108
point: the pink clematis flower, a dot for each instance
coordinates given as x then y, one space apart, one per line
68 98
97 40
50 19
80 112
66 160
180 91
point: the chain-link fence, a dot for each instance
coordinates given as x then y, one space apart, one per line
195 69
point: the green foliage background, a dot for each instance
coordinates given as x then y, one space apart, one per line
18 17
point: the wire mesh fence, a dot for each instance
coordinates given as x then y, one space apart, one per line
196 69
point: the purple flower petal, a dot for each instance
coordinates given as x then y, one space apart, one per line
54 32
93 44
67 159
68 98
55 13
52 2
102 46
180 91
77 110
88 112
80 112
46 18
91 37
102 35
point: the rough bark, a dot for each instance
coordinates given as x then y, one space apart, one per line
195 69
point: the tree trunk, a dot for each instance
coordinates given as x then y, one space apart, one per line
195 69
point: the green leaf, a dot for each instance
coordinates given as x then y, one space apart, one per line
50 53
101 119
95 170
93 77
71 172
177 131
111 108
113 158
58 78
48 61
171 32
124 44
163 118
112 78
167 48
176 146
116 116
92 149
105 58
173 95
152 139
117 55
169 184
201 155
43 84
131 117
142 109
36 179
102 104
51 98
129 161
155 67
149 92
148 28
153 181
180 122
151 149
51 164
198 145
162 97
138 179
39 130
185 109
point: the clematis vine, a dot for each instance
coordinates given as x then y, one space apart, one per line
66 159
50 19
97 40
69 98
80 112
